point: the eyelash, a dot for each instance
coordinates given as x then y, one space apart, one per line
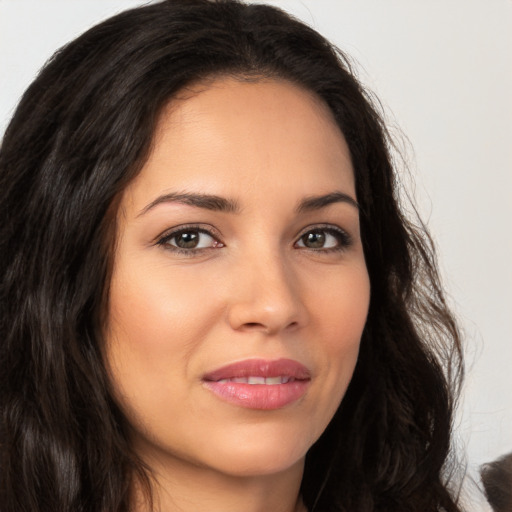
344 240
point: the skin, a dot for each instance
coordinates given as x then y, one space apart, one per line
254 287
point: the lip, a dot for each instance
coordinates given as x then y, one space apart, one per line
295 382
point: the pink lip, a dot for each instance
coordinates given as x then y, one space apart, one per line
260 396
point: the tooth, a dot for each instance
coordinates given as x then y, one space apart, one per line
239 379
256 380
223 380
273 380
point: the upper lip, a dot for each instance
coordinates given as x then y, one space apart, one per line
260 368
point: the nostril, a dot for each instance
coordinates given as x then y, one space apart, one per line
261 326
253 325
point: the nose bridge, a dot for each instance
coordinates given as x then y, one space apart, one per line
267 296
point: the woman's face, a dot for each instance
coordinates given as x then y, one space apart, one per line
239 289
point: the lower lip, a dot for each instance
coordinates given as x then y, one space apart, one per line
259 396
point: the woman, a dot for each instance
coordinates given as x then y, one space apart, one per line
210 297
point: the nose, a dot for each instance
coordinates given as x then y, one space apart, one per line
266 297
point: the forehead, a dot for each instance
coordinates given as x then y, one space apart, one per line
237 134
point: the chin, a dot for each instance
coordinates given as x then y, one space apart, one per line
265 452
254 465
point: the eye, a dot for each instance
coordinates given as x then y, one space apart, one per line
326 239
189 240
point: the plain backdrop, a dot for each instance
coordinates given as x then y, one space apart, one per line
443 71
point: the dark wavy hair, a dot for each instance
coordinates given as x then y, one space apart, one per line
80 134
497 481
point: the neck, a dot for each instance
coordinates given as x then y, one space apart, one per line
189 488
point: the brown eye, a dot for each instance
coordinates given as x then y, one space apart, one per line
187 240
314 239
324 239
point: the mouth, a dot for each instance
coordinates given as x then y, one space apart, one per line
259 384
267 381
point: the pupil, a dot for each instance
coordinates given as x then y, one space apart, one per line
187 240
316 239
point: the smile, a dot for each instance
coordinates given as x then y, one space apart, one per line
267 381
259 384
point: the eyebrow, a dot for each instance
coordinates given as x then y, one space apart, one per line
222 204
318 202
205 201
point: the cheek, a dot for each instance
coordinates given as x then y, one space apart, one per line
159 321
154 324
341 308
156 308
339 318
